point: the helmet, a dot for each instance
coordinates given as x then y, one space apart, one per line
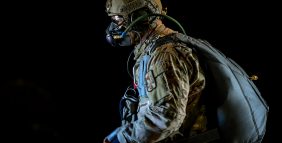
126 7
123 13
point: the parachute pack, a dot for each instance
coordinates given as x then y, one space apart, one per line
240 110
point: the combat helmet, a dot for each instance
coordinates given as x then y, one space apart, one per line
126 7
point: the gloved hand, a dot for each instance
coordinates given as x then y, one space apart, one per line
112 138
129 106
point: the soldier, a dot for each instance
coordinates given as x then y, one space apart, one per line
168 81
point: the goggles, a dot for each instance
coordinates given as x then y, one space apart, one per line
117 19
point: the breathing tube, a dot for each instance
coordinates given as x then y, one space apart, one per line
149 15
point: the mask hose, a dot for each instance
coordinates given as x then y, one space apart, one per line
149 15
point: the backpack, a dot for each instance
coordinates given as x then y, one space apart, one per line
231 96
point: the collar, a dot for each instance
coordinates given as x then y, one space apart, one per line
158 30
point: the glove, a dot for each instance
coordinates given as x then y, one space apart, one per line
112 138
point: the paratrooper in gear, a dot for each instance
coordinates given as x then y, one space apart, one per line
169 81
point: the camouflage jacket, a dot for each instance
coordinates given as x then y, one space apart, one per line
169 81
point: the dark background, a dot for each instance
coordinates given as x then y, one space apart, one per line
61 81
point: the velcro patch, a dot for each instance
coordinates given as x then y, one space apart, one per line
150 81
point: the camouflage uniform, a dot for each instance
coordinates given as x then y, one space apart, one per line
169 82
172 85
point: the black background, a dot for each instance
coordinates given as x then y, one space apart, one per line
61 81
